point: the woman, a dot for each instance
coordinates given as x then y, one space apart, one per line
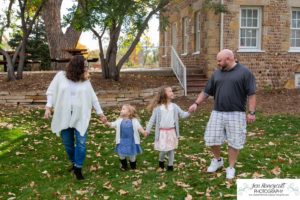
72 96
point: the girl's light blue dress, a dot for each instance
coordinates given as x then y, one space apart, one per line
127 146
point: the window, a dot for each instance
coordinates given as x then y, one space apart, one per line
174 35
165 43
297 80
250 28
185 35
295 29
197 31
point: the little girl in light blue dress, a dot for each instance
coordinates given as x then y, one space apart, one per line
127 136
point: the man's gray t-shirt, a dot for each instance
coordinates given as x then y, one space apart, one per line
231 88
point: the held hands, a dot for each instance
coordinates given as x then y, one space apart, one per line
145 133
103 119
251 118
47 114
193 108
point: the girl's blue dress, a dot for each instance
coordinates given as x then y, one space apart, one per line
127 146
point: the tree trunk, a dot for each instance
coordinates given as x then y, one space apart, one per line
10 66
22 58
58 40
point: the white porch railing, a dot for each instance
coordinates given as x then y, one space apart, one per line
179 69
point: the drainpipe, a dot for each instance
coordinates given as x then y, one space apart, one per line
222 29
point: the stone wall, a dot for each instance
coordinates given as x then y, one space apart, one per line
273 67
107 98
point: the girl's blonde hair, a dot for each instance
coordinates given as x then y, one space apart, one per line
160 98
132 111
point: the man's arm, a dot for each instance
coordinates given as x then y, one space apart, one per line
252 106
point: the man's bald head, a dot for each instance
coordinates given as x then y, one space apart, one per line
225 59
226 53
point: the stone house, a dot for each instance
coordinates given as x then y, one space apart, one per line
264 34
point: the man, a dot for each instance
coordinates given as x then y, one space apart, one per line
231 85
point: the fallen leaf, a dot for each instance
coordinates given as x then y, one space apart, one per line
163 186
123 192
199 193
81 192
107 185
271 143
229 195
137 183
276 171
188 197
257 175
32 184
243 175
181 184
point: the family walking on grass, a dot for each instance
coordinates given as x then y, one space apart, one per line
72 97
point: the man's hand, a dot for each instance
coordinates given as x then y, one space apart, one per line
47 114
251 118
193 108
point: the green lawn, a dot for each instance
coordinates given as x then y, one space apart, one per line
33 164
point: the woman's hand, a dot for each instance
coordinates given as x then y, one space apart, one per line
103 118
47 114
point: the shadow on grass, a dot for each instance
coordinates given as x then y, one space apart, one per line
9 139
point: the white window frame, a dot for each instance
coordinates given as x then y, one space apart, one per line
185 35
165 50
294 49
297 80
257 48
197 32
174 35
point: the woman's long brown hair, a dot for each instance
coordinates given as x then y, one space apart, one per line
75 69
160 98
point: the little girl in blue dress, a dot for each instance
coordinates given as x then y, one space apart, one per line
127 136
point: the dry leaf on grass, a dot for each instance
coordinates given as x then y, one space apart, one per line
271 143
257 175
107 185
181 184
123 192
276 171
162 186
229 195
81 192
137 183
199 193
188 197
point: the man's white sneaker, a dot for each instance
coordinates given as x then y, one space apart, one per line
215 165
230 173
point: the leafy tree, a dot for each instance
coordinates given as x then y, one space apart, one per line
115 18
27 13
37 44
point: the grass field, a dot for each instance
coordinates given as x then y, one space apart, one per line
33 163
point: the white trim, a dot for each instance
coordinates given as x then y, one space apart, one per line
259 29
196 53
222 29
174 38
250 51
297 48
184 54
294 50
165 50
185 35
297 80
197 31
